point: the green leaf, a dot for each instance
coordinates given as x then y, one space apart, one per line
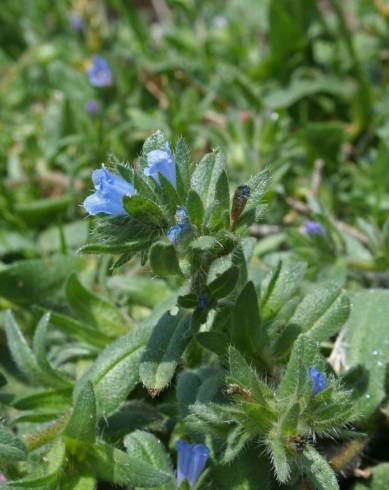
45 400
318 470
114 373
120 468
167 343
163 259
182 160
216 342
42 211
224 284
278 456
82 423
57 378
247 331
47 474
76 329
93 310
144 211
220 214
323 311
304 356
366 342
167 196
37 281
206 175
11 447
281 285
244 375
146 447
195 208
20 350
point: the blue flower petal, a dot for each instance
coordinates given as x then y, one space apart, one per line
110 190
199 457
161 162
99 72
183 462
318 379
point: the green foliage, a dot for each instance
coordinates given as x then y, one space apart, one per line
199 324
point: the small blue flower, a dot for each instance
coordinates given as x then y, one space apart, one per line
192 459
99 72
245 191
92 107
313 228
177 232
110 190
76 21
161 162
319 380
202 302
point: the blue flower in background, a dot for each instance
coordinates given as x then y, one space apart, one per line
92 107
202 303
76 21
192 459
110 190
314 228
319 380
161 162
99 72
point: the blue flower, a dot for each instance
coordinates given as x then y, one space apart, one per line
99 72
92 106
161 162
110 190
202 303
314 228
76 21
192 459
177 232
319 380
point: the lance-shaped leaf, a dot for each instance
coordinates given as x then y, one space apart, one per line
224 283
11 447
281 285
44 474
195 208
246 377
82 424
318 471
53 400
247 331
118 467
76 329
146 447
182 160
114 373
167 343
163 259
366 343
93 310
323 311
37 281
206 175
57 379
304 355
